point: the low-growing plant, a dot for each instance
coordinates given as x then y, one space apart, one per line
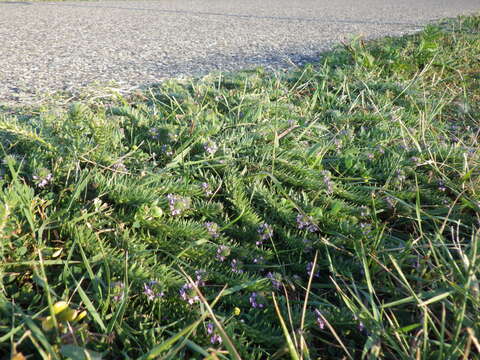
330 212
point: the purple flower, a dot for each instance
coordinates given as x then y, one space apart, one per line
210 147
154 133
370 156
258 260
149 291
206 187
254 301
212 229
275 279
265 232
188 293
441 187
380 149
366 228
306 222
361 326
42 181
178 204
327 180
167 150
309 269
236 266
199 277
222 252
120 166
214 339
320 322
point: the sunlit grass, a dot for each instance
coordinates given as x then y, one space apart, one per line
331 212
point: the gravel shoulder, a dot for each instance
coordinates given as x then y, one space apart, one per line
67 46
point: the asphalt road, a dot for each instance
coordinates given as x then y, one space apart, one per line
48 46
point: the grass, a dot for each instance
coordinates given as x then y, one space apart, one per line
330 212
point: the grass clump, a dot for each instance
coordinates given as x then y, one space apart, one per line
331 212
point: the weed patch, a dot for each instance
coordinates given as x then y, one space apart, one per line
325 213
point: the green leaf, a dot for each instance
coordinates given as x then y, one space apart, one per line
75 352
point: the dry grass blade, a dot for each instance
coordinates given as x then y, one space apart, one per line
305 303
291 346
335 335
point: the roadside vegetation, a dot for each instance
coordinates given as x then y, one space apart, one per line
325 213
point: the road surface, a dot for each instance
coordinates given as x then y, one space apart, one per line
49 46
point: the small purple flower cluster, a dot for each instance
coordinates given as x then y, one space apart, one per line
309 269
222 252
199 277
275 279
149 289
206 188
119 166
306 222
320 321
236 266
337 143
214 338
167 150
178 204
154 133
361 325
188 292
441 186
254 301
327 180
366 228
265 232
258 260
210 147
212 229
43 181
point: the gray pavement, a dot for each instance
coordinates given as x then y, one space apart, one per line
49 46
